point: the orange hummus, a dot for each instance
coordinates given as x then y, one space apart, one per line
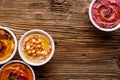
6 45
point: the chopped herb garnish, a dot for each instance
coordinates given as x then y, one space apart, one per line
102 25
6 36
107 16
10 38
9 79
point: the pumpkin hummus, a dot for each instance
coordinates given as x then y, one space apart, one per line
6 45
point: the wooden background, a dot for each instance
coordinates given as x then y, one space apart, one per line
82 52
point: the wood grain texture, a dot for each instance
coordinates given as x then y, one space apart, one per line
82 52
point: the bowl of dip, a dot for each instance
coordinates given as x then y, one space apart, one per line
16 70
105 14
36 47
8 45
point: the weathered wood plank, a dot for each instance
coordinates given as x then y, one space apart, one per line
82 52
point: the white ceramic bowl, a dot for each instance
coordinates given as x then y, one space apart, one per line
43 33
15 41
98 27
14 61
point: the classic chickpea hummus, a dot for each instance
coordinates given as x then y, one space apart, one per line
106 13
6 45
36 47
16 71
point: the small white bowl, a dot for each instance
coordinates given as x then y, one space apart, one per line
15 41
14 61
98 27
41 32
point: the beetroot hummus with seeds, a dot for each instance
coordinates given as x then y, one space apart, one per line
106 13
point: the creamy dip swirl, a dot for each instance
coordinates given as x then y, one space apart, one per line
106 13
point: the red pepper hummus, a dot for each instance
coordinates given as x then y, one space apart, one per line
106 13
16 71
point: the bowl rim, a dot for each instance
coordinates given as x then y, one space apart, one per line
15 47
19 61
95 25
44 33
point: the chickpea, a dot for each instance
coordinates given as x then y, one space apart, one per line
34 55
36 37
27 47
39 46
38 52
31 47
33 51
39 40
29 52
33 40
31 44
43 52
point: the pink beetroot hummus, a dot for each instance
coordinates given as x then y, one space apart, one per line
106 13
